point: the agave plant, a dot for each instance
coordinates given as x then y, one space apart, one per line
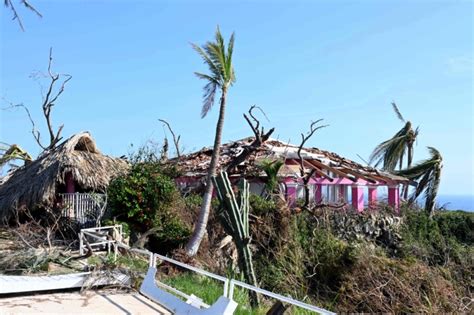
428 175
218 59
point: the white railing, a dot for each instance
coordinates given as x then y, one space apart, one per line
98 236
228 284
84 208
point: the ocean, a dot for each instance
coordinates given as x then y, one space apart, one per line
456 202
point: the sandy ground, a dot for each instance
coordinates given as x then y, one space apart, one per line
89 302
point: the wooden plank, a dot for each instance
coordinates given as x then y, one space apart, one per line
317 171
358 175
331 169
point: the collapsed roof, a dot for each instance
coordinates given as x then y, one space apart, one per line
324 163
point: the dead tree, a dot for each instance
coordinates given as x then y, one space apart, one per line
175 138
305 174
9 5
49 100
260 137
164 151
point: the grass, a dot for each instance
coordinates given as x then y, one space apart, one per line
209 290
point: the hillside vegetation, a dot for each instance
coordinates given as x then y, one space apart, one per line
340 260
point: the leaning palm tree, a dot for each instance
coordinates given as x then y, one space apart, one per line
221 77
428 175
391 152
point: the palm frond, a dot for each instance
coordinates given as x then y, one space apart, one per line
217 56
220 66
220 40
379 151
392 151
421 186
435 153
417 131
431 191
428 175
417 170
209 96
397 112
229 67
208 61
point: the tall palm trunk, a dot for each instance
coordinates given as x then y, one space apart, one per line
200 229
409 162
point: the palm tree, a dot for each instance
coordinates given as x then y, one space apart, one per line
222 76
428 175
391 152
271 169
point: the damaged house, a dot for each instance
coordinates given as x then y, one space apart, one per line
72 178
334 179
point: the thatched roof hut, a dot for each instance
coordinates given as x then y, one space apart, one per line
38 183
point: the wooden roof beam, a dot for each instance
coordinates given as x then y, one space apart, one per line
331 169
381 178
358 175
316 170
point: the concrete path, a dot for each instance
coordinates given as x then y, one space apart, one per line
89 302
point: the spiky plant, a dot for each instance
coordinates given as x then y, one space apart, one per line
427 173
218 59
271 169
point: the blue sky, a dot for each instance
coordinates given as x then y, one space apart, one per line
344 61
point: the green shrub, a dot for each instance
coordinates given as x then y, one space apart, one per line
261 206
447 237
458 224
125 227
193 201
146 198
309 262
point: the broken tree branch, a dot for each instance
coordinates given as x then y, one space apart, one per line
305 175
50 99
48 102
260 138
16 16
35 132
175 139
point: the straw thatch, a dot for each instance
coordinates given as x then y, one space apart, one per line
37 183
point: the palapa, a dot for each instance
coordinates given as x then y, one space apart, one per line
37 183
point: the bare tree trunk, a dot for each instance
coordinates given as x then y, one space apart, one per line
200 229
306 176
